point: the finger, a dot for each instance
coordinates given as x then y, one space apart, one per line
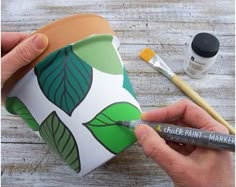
10 39
156 148
187 112
168 113
184 149
22 55
202 152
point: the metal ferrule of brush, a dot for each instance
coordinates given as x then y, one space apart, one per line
157 63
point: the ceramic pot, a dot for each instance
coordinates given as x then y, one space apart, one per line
73 98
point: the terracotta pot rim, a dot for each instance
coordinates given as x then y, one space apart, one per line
61 20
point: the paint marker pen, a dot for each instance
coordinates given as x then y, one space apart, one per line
188 135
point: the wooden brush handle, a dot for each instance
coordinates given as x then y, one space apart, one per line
200 101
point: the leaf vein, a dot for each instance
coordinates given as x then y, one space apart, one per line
76 79
70 152
65 144
55 78
49 73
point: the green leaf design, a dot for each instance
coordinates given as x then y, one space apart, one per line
64 78
127 84
15 106
99 52
113 137
61 140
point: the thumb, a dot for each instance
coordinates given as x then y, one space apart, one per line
156 148
22 55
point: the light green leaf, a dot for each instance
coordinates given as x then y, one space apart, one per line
99 52
114 137
61 140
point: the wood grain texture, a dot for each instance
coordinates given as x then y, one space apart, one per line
167 26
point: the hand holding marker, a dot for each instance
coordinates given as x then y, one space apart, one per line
149 56
188 135
186 165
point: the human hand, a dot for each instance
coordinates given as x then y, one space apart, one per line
187 165
18 50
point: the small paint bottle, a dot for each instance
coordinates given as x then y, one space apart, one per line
201 55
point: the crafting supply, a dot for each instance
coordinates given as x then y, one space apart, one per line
201 55
149 56
186 135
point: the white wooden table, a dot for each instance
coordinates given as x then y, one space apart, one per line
165 26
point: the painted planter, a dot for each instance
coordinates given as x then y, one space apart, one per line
72 99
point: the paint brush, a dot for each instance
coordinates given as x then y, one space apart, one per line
186 135
149 56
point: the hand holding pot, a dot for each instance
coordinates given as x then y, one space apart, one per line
18 50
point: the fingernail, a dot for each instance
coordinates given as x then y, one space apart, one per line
141 132
40 41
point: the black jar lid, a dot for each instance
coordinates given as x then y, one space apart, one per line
205 45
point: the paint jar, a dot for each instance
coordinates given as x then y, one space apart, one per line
201 55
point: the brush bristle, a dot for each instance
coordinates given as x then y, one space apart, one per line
147 54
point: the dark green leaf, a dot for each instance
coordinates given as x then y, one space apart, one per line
15 106
61 140
127 84
64 78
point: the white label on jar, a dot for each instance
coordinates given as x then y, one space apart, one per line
197 66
